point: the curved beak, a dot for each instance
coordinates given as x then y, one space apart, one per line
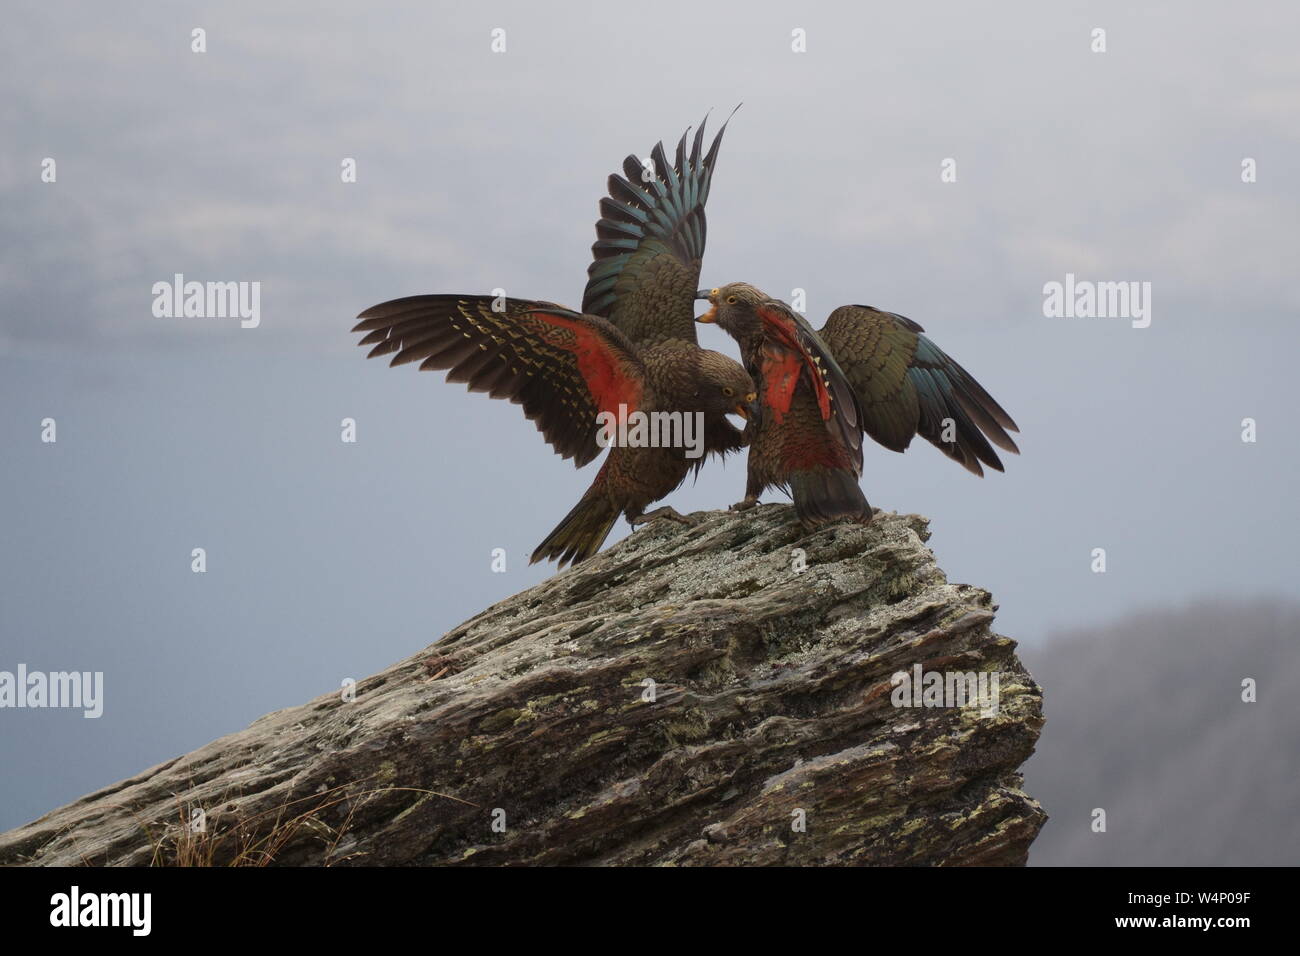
712 314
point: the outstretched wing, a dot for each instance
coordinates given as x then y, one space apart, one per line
795 353
650 243
562 366
907 385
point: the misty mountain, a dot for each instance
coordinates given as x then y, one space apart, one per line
1145 719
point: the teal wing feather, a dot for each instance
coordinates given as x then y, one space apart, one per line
650 243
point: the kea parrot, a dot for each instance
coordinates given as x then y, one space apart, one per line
865 371
632 347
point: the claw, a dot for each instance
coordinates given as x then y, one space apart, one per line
744 504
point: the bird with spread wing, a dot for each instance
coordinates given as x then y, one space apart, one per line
632 348
865 371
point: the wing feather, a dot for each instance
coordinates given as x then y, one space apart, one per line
906 385
650 242
563 367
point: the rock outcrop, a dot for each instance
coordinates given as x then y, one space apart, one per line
713 695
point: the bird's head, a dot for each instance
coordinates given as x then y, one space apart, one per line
734 308
725 388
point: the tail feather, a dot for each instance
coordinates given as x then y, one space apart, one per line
827 495
581 533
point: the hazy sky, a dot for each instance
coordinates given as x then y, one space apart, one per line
478 170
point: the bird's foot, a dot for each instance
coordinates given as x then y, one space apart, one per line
672 514
745 504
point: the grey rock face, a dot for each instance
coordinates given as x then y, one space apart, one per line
688 696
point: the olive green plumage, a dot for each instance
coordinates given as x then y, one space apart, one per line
866 371
908 386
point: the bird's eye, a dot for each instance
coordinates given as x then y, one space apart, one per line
728 390
731 300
